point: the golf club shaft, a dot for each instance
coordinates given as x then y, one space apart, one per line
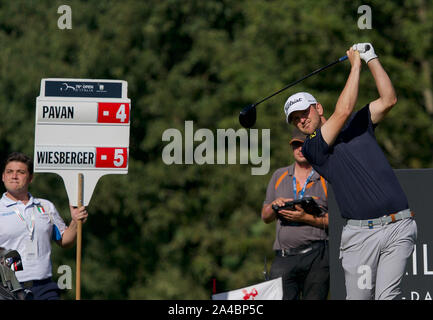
297 81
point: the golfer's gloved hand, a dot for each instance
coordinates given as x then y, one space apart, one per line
366 51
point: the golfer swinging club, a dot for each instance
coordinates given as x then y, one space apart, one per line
380 233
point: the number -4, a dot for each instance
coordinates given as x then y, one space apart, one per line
118 157
121 113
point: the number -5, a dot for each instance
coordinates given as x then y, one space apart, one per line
118 157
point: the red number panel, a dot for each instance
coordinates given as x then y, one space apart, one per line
110 112
111 157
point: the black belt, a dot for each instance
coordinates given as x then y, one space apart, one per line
300 250
32 283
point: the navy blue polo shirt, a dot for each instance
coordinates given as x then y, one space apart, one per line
363 181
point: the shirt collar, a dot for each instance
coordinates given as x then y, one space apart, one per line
291 171
9 202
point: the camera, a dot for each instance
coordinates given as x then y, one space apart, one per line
11 259
10 288
308 204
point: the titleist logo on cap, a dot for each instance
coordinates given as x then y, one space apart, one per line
294 101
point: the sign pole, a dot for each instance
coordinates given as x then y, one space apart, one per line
79 239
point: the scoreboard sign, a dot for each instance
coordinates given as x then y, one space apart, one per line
82 126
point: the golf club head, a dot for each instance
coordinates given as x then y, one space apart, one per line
248 115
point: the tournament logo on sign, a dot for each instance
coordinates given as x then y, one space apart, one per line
83 89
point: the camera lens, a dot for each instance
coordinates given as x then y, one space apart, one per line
14 265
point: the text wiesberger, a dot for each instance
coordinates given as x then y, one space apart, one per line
204 153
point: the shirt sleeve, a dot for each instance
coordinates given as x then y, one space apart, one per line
59 225
371 125
270 191
56 233
315 149
58 221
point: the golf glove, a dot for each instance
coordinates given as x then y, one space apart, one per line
366 51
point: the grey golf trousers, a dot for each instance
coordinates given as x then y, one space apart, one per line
374 260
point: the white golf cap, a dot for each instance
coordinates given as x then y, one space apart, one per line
298 101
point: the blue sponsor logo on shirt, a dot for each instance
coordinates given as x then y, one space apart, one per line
5 214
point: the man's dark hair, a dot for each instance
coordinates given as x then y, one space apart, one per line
20 157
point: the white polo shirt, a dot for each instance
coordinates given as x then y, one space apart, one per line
29 229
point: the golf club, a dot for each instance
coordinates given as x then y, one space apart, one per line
248 115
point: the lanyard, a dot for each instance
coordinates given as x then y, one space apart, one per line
30 225
295 190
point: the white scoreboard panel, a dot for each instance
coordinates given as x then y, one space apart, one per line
82 126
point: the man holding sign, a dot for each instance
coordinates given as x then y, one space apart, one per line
28 225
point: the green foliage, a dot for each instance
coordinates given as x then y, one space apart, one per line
164 232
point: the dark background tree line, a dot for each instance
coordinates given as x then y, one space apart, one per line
164 232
